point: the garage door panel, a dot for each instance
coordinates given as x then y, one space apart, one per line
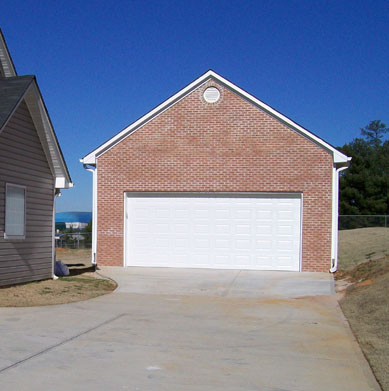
201 243
181 228
242 260
283 245
182 244
222 214
264 244
221 260
222 244
234 232
181 213
264 215
243 228
241 214
202 228
162 243
285 229
266 262
202 259
283 263
141 228
159 228
243 244
141 213
222 229
263 229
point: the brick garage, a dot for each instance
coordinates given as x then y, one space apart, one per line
234 151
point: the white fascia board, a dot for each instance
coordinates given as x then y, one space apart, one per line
60 182
91 157
46 134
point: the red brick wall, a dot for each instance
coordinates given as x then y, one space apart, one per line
228 146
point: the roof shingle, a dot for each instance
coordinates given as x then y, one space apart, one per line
12 90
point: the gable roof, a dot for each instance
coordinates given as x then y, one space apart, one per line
91 157
15 89
7 67
12 90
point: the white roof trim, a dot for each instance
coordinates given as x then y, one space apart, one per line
47 136
91 157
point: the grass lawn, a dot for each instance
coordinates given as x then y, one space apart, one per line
82 284
360 245
48 292
366 303
71 257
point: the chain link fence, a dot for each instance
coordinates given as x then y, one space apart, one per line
74 240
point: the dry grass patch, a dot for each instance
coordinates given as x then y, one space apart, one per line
82 284
366 306
360 245
74 256
49 292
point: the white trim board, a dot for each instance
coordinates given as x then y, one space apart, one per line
91 157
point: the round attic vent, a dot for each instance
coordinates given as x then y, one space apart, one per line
211 94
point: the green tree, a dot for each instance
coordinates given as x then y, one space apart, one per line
88 228
364 187
374 132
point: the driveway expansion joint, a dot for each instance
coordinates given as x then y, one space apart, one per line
52 347
225 293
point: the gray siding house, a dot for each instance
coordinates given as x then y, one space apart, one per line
32 172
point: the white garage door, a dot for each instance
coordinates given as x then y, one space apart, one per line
258 232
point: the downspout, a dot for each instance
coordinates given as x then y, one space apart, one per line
93 170
57 193
335 217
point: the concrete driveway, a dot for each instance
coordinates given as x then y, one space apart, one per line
170 329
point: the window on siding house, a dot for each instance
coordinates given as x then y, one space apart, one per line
15 212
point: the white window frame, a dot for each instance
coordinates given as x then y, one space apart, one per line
18 237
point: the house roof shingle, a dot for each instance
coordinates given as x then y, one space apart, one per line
12 90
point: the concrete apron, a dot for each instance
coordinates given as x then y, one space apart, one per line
220 283
153 341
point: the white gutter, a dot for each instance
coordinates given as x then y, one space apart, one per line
94 214
335 216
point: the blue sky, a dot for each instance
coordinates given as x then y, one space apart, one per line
101 65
